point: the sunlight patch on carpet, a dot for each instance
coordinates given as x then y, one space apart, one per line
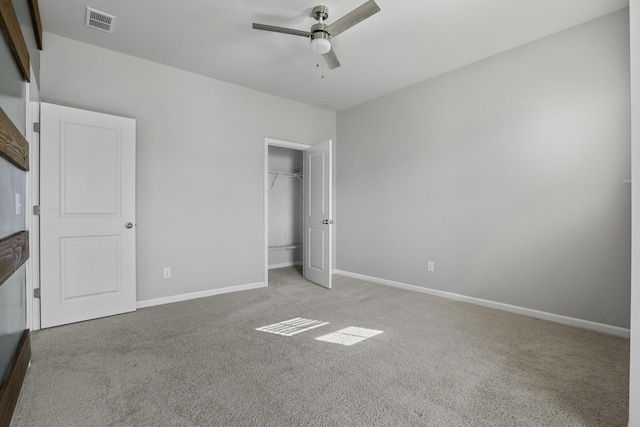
349 336
291 327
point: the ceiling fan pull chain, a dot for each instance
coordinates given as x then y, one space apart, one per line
319 66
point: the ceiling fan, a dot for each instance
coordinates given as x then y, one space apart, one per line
321 33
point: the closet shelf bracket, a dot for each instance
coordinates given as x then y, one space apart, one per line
285 174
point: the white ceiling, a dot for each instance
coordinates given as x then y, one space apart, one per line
406 42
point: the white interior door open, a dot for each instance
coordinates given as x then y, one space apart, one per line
317 265
87 206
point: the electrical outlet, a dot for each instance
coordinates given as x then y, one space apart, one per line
431 266
166 272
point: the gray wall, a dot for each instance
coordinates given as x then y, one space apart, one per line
285 206
634 379
200 165
507 173
12 181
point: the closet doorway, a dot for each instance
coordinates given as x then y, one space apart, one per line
285 206
297 208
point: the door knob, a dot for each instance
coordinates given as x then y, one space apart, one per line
128 225
326 221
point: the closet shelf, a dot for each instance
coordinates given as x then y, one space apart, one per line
285 175
283 247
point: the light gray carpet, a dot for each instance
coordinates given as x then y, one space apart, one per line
438 363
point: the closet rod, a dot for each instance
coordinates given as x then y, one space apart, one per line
283 247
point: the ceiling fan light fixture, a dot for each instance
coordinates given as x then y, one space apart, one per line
320 44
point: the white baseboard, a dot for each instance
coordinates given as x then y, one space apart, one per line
565 320
284 264
201 294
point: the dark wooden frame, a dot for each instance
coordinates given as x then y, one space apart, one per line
12 384
14 251
37 23
11 26
13 146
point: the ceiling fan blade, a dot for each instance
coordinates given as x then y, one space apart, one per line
281 30
352 18
331 59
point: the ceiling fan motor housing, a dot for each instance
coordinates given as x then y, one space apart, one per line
318 32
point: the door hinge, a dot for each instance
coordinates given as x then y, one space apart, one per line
36 127
36 210
36 293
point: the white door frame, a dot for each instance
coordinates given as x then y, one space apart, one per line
276 143
32 198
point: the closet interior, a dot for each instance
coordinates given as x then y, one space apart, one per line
285 220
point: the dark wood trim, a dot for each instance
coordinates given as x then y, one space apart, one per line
13 146
11 26
37 23
14 251
13 382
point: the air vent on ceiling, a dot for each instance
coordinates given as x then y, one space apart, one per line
100 20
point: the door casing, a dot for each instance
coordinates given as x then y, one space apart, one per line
276 143
32 198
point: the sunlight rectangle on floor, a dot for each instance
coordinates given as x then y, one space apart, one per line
291 327
349 336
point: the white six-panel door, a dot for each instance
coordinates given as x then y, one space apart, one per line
317 263
87 224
